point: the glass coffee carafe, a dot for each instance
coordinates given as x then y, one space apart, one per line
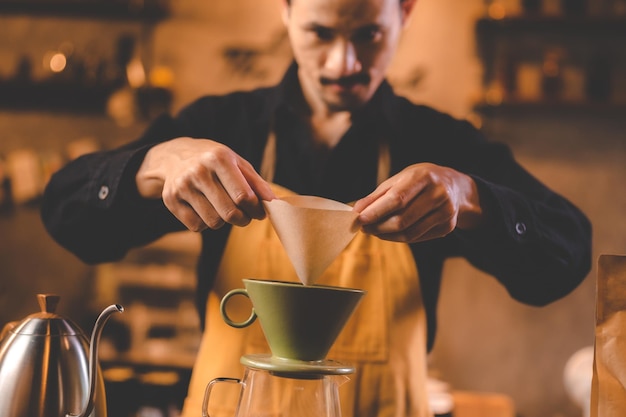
266 393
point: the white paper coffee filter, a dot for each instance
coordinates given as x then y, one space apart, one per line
313 231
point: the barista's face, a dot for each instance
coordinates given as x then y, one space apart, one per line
343 47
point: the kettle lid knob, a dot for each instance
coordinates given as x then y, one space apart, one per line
48 302
47 322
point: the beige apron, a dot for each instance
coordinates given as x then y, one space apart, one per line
385 339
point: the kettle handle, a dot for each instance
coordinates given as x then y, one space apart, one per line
7 328
207 392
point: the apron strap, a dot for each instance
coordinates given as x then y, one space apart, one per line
384 161
268 163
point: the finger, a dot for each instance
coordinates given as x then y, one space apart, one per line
418 232
208 200
361 204
210 216
222 203
402 219
190 206
260 187
186 214
241 201
412 220
425 208
225 190
392 201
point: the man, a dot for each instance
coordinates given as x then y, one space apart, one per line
426 187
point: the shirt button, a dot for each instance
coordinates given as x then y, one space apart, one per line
103 193
520 228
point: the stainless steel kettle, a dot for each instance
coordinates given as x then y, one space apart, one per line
48 368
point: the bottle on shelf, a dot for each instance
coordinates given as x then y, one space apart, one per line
598 77
552 78
6 200
531 7
574 7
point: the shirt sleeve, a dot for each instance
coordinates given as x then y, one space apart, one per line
535 241
92 206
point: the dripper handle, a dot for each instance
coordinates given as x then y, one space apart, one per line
227 319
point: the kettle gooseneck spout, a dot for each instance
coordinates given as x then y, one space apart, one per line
93 357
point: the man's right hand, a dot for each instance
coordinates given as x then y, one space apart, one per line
203 183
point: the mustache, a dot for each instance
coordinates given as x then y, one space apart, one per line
361 78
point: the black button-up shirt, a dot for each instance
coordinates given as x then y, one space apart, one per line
535 242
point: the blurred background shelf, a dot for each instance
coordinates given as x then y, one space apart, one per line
562 64
552 107
561 25
55 96
119 10
70 96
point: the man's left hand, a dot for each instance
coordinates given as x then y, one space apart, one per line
424 201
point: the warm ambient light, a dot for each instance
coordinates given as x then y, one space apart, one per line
161 76
135 73
496 11
58 62
54 61
494 95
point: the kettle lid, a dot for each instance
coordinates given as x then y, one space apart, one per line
46 322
